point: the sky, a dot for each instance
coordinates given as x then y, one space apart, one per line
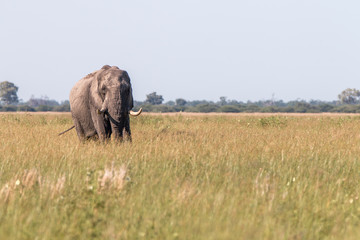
192 49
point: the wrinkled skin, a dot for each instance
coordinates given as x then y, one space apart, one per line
100 104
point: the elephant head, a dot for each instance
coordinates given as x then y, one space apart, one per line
111 95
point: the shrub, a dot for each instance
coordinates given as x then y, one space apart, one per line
25 108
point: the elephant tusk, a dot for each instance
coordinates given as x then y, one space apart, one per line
132 113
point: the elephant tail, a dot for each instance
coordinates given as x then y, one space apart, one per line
66 131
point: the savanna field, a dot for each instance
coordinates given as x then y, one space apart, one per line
182 177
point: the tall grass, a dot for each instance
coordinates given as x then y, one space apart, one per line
183 177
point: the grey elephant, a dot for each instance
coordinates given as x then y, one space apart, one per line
101 104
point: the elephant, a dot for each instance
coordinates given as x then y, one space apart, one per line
101 103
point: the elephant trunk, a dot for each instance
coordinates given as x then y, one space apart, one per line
117 130
120 125
119 118
118 110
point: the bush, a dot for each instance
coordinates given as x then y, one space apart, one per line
62 108
326 107
44 108
229 109
25 108
252 108
206 108
157 108
9 108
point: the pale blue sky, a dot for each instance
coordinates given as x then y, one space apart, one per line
198 49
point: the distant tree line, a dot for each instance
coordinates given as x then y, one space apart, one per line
37 105
234 106
9 101
348 102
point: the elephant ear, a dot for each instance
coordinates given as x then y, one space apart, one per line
130 97
96 99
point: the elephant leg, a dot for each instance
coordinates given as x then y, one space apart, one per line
127 128
117 129
118 134
107 126
79 130
101 131
99 125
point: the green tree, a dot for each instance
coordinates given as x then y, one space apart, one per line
8 93
180 102
154 99
223 101
349 96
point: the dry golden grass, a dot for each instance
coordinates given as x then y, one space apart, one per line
183 177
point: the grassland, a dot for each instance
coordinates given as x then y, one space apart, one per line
183 177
